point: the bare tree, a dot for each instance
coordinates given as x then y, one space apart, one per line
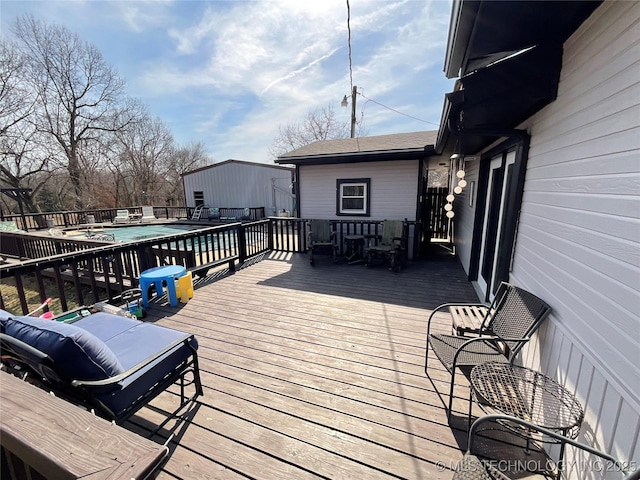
80 96
185 159
25 159
146 150
319 124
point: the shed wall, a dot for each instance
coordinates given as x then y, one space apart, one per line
238 185
394 189
578 238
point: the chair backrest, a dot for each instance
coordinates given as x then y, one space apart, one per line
391 229
214 212
320 231
147 212
515 313
122 214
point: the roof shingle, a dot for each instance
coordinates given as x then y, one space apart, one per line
396 141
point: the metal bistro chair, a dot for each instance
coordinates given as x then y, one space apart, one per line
475 467
512 318
321 237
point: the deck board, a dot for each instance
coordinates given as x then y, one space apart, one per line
315 372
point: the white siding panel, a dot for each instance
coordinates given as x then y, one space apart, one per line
548 166
464 214
558 216
602 148
394 189
578 244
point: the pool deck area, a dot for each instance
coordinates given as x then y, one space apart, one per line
315 372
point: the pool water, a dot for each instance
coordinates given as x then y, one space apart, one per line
141 232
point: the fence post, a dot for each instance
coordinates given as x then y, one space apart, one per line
242 243
270 234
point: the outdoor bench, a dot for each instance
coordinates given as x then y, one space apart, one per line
45 434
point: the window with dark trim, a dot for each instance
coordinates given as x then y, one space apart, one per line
353 196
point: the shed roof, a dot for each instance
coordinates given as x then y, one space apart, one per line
242 162
380 147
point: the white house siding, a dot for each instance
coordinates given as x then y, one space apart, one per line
394 189
464 207
578 243
240 184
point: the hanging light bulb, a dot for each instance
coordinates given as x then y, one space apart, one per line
448 207
450 198
457 190
450 214
462 183
460 174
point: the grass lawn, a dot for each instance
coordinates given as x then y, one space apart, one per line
12 300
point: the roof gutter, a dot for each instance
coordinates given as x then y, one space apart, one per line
352 157
462 24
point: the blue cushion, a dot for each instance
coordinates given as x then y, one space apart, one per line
77 353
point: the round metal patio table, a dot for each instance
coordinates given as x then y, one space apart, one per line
527 394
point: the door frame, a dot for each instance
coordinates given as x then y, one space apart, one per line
512 198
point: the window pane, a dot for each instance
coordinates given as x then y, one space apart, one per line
353 190
353 204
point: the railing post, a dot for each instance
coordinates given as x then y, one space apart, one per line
270 234
242 243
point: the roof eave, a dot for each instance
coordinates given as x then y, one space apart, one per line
354 157
463 15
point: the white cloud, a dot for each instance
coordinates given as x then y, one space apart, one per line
229 72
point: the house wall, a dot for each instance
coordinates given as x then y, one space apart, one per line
239 184
394 189
464 214
578 239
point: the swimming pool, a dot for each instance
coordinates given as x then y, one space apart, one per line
133 233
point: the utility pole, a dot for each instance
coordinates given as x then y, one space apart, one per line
353 111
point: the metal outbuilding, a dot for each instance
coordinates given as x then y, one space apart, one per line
239 184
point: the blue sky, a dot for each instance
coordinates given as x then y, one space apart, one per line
228 73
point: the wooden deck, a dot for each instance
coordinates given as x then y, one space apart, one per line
315 372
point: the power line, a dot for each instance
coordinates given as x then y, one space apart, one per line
396 111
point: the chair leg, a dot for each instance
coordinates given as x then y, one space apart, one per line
470 405
453 377
426 356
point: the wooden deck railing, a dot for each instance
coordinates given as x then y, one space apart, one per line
102 272
36 221
89 276
291 234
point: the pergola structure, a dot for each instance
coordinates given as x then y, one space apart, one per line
16 194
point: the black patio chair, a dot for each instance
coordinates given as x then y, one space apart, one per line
107 363
321 238
476 467
392 245
511 319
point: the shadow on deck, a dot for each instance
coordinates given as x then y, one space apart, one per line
316 372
